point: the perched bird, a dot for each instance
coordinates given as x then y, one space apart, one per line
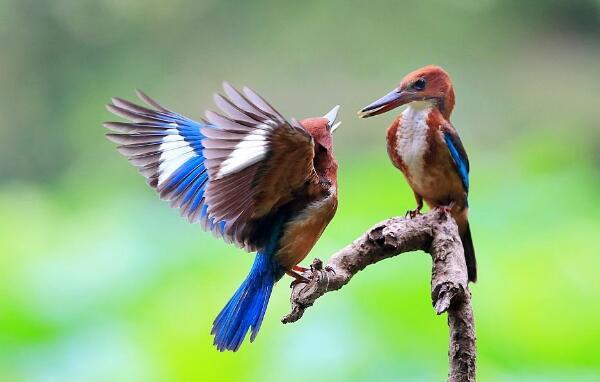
247 175
424 145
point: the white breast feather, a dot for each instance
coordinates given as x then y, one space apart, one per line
412 139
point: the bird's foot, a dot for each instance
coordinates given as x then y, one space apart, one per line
321 271
316 265
298 278
413 213
297 272
447 208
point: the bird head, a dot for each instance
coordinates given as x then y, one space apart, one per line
429 84
322 128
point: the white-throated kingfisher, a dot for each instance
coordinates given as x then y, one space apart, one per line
424 145
247 175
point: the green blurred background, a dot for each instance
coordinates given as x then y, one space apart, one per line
100 281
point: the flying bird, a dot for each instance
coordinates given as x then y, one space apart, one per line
424 145
247 175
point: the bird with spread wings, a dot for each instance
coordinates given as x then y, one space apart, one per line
247 175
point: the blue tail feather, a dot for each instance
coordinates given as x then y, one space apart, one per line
245 310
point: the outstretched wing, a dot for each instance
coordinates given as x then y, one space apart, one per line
459 155
230 173
257 163
166 148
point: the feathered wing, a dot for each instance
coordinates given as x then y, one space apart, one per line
256 160
230 173
166 148
461 162
459 155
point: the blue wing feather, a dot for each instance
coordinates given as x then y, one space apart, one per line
460 157
167 148
213 170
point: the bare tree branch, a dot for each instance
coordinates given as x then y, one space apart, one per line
435 233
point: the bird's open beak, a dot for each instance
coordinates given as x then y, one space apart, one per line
330 117
388 102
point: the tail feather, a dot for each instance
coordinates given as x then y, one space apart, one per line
246 309
467 242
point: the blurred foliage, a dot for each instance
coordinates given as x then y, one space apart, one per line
99 281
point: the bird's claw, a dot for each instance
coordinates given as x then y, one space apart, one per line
413 213
447 208
298 281
298 278
316 265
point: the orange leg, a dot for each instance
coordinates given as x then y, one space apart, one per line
300 269
298 278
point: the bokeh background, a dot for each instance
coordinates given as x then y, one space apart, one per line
101 281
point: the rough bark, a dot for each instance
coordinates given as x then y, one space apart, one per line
435 233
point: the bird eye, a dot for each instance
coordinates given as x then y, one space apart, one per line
419 84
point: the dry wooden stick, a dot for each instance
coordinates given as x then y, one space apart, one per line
435 233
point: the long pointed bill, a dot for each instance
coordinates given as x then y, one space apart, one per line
388 102
331 116
335 126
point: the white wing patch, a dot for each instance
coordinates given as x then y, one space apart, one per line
175 151
247 152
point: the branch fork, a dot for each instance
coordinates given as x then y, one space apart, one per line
435 233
